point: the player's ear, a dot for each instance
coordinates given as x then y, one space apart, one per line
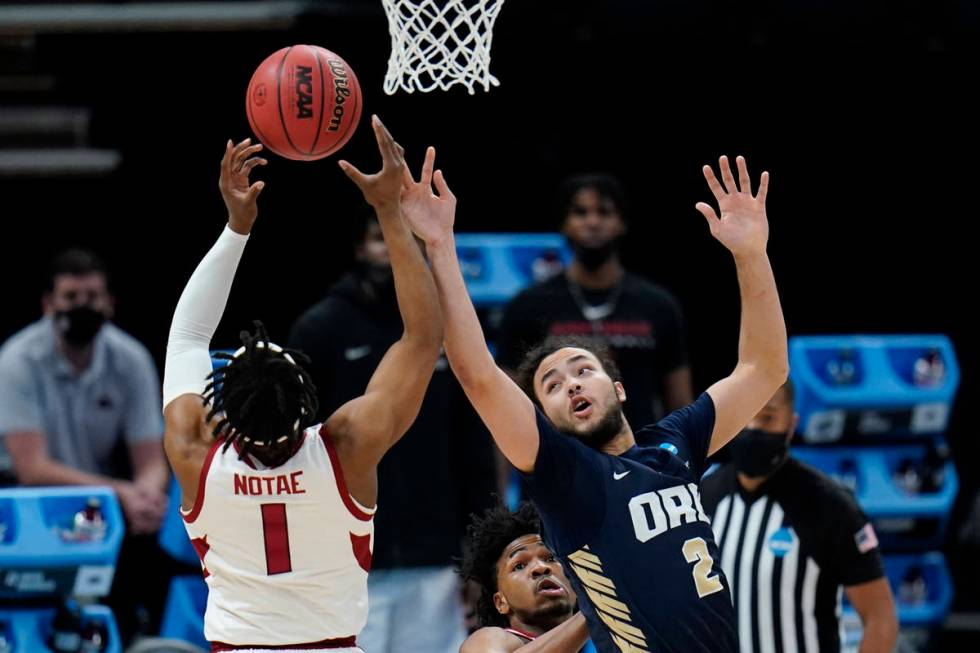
500 602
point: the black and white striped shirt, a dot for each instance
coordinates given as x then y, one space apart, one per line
787 550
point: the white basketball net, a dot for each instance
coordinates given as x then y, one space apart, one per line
438 43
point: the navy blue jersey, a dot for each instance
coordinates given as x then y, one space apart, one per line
634 538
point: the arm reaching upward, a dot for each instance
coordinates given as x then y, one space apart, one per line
197 315
743 229
370 424
502 406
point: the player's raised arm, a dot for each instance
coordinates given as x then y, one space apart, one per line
763 365
502 405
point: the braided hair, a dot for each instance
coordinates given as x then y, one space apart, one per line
266 398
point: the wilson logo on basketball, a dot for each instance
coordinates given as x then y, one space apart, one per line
341 90
303 102
304 92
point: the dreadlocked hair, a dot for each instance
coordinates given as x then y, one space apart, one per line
263 395
487 536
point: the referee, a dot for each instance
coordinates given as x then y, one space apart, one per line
790 537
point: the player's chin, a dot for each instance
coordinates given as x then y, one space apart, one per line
549 606
585 425
591 430
571 427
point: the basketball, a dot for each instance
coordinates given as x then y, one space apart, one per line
303 102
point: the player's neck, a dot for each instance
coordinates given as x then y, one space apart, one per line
533 631
605 276
621 442
749 483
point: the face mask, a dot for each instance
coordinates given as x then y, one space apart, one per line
592 258
79 325
379 275
757 453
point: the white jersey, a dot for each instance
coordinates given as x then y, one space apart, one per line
285 550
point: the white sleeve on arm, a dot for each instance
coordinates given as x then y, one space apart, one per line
197 315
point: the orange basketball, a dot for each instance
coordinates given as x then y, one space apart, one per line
303 102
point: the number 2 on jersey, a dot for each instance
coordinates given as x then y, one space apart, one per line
696 550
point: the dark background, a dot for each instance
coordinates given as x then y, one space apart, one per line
863 112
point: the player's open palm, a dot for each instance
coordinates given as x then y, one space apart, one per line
742 227
240 196
429 215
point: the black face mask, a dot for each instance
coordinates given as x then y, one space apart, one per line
79 325
757 453
378 275
592 258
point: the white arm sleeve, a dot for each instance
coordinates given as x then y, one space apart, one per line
197 315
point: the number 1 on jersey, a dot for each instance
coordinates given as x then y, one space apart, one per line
696 550
276 535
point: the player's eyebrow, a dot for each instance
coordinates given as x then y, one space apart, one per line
554 370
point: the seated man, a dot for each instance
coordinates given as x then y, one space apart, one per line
81 406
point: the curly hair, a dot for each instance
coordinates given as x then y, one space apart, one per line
263 392
487 536
524 376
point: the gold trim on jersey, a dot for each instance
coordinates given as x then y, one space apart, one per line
602 593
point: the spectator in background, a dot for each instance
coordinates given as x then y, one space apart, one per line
640 322
80 405
596 297
428 483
